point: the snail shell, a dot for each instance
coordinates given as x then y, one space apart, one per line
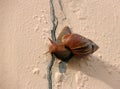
69 44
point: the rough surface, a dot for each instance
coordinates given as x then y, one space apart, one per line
24 31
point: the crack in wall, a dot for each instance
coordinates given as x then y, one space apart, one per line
54 21
61 7
53 29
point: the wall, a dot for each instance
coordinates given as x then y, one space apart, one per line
24 31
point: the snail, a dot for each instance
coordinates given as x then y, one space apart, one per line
70 44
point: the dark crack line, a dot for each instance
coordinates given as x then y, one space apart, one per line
54 21
53 30
49 76
61 7
63 11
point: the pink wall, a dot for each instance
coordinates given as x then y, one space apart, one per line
24 31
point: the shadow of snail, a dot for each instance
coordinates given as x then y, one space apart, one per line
94 67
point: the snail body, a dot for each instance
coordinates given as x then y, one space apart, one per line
60 51
71 45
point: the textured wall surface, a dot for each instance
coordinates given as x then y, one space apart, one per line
24 31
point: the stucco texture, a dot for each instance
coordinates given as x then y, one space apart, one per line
24 30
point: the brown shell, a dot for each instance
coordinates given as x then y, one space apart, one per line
69 44
79 45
